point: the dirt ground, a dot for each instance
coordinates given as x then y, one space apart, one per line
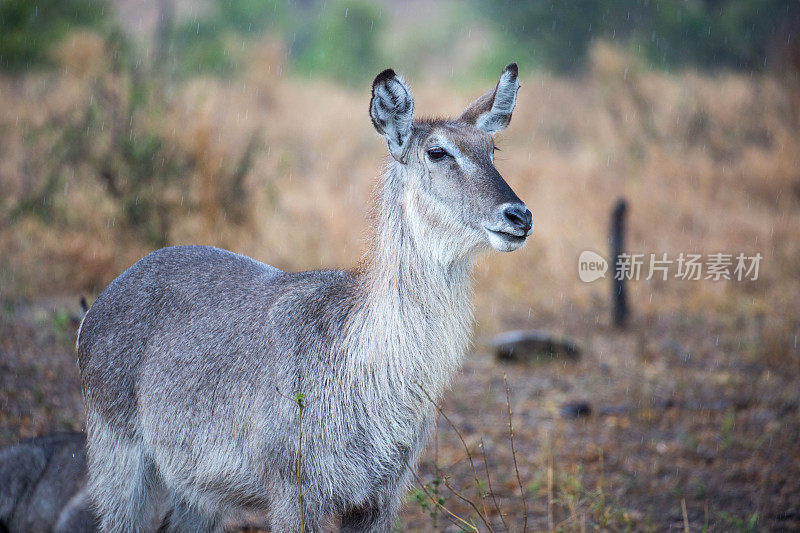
676 415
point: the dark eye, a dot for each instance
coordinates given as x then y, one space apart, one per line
436 153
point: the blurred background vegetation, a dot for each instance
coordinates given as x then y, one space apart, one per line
138 54
132 124
350 39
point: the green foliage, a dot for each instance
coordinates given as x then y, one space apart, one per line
730 33
199 48
150 166
700 491
554 34
707 33
423 498
341 42
213 44
252 16
300 399
28 29
136 165
61 324
345 39
726 437
741 525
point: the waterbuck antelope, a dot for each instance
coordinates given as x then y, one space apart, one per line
190 360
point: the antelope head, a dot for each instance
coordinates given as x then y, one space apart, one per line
453 196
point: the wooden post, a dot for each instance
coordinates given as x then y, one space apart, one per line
619 300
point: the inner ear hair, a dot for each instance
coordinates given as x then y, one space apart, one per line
492 111
391 110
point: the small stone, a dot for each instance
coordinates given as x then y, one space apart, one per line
534 345
575 409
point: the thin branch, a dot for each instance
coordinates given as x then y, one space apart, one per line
466 448
514 456
470 502
549 489
685 516
436 448
600 487
491 489
434 501
455 463
436 470
300 401
572 517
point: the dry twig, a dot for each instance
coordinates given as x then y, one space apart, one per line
514 456
463 498
448 513
483 515
491 489
685 516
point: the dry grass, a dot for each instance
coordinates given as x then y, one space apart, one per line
707 164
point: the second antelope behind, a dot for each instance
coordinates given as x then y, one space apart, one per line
191 360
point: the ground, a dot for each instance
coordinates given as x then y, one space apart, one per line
676 417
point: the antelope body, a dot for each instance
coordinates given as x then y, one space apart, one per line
43 486
190 359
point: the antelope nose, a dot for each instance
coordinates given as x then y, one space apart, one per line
519 217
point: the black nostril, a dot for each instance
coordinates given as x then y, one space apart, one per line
519 216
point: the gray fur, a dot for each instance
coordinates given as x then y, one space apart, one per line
43 486
190 359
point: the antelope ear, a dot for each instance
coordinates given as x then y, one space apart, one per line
392 111
492 111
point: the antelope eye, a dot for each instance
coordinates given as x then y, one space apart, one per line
436 153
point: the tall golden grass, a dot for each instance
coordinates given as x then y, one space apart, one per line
707 163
